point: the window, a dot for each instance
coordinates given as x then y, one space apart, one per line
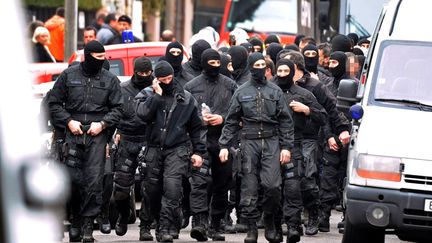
403 72
117 67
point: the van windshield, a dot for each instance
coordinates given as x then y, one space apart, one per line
404 72
268 16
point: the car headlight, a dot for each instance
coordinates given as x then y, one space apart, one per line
378 167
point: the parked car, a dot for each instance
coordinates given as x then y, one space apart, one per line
46 72
122 56
389 180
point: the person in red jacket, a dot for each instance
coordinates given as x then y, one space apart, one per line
56 26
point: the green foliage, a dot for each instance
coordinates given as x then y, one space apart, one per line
151 6
82 4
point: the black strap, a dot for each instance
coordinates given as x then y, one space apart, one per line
167 122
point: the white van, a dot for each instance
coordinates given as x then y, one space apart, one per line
389 184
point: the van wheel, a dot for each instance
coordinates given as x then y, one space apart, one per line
355 234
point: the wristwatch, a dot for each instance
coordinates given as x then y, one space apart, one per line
103 124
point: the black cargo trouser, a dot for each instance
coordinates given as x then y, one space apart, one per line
85 161
222 180
292 197
124 172
260 158
309 173
163 184
331 183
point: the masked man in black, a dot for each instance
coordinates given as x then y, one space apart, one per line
174 56
304 106
130 139
86 100
214 90
267 138
173 128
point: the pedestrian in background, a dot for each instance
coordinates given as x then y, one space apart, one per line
56 27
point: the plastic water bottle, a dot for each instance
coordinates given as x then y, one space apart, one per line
205 109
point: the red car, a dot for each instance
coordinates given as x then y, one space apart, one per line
122 56
46 72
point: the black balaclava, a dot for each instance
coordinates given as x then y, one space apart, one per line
163 69
142 64
239 58
225 60
311 63
208 69
357 51
354 38
293 47
287 81
298 38
341 43
197 49
91 65
256 42
223 49
339 71
273 49
271 39
106 65
175 61
258 74
248 46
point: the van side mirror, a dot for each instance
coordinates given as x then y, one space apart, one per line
347 95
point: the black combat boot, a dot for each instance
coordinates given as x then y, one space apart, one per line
324 219
199 227
122 224
279 231
313 222
145 234
103 221
252 233
174 232
164 235
215 231
269 227
293 234
88 230
75 230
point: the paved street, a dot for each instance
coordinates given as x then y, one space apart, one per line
133 235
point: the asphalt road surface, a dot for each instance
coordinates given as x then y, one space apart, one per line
133 235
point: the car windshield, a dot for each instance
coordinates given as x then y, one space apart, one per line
271 16
404 73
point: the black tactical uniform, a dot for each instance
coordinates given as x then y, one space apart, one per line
131 130
88 94
172 125
334 161
215 90
239 58
193 66
311 134
181 75
267 129
295 172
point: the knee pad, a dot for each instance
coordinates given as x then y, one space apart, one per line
120 192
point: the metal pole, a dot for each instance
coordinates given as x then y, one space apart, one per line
71 12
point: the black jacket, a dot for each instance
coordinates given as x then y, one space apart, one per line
76 96
182 126
130 124
260 107
41 54
327 100
216 93
183 77
190 68
317 113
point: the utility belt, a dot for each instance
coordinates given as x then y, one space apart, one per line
87 118
157 146
259 134
132 138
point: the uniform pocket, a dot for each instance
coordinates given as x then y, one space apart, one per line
269 104
100 92
249 105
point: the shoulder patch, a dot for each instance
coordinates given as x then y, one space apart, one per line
75 82
247 98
